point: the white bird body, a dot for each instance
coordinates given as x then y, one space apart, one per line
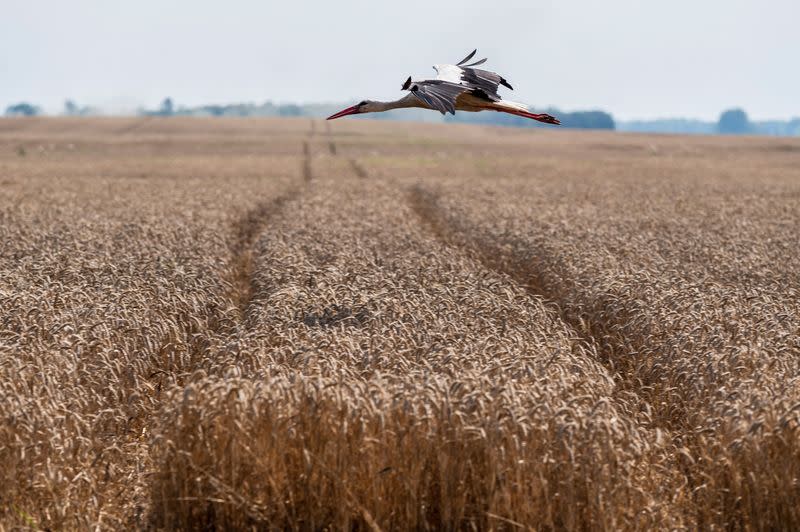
456 88
450 73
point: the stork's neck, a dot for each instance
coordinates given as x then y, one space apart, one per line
409 100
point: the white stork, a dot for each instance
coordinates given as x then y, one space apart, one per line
458 87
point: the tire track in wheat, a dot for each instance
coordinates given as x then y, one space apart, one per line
425 205
246 232
247 229
359 170
133 126
308 175
355 166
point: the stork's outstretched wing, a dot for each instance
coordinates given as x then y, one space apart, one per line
454 80
476 63
437 94
476 78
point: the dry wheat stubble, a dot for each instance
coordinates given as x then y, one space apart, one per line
321 359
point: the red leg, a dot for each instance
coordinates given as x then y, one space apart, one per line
547 119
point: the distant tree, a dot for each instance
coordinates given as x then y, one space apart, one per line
167 108
71 108
290 110
669 125
22 109
588 120
734 122
213 110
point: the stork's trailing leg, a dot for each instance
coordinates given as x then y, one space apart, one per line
546 118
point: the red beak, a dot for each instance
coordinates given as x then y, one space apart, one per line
344 112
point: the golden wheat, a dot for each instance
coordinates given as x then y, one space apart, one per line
284 325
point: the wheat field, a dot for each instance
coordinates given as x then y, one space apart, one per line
297 324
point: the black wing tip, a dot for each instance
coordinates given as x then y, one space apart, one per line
505 83
467 58
476 63
407 84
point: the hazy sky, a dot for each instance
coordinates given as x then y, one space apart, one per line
634 58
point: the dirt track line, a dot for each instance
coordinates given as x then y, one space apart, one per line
133 127
425 205
359 170
308 174
246 232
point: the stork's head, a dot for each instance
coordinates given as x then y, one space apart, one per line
366 106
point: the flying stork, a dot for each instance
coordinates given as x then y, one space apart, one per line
459 87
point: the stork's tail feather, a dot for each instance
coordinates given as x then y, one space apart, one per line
547 119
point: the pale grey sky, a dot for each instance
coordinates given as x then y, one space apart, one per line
634 58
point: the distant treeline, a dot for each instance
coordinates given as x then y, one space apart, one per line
577 119
580 119
730 122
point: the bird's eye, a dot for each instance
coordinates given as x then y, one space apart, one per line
364 102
